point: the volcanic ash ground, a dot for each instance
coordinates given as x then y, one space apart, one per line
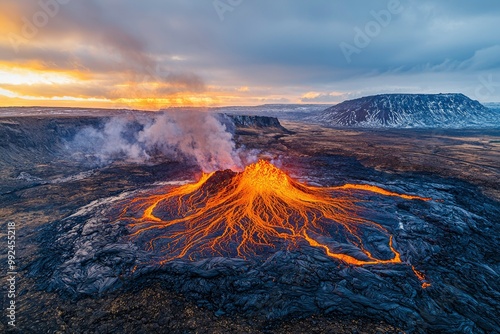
417 252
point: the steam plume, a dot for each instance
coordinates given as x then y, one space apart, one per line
193 136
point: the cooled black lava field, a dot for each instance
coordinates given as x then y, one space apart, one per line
82 269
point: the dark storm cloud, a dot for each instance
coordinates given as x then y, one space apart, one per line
290 44
297 43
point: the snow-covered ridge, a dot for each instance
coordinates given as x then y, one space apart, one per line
409 111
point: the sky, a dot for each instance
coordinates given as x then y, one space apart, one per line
154 54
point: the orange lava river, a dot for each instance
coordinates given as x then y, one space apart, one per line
255 209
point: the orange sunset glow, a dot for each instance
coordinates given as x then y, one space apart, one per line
30 84
73 53
50 57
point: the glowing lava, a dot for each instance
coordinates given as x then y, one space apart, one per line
258 209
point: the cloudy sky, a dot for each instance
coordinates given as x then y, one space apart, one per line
157 53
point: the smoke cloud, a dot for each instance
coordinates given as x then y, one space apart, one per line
197 137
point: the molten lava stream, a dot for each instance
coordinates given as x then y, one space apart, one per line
241 213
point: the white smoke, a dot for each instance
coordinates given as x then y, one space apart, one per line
195 136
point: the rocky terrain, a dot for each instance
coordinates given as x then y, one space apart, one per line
291 112
244 121
81 272
409 111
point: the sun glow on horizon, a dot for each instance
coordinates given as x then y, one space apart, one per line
30 86
21 76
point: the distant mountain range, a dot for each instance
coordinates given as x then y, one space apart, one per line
408 111
378 111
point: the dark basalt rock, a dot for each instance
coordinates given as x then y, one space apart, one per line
453 241
256 122
100 279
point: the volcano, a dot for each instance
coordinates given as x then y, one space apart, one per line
324 237
249 213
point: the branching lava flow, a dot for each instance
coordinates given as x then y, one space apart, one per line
257 209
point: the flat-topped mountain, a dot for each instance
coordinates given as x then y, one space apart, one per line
244 121
408 111
241 122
